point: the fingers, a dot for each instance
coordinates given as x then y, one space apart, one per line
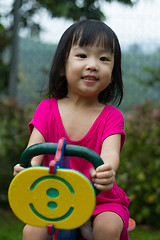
104 167
92 173
103 177
104 184
36 161
17 169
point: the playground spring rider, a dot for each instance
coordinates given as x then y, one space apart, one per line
55 197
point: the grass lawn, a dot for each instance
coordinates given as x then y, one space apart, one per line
11 229
10 226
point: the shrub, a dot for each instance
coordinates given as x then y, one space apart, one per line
139 173
14 135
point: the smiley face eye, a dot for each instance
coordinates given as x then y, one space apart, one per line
52 193
52 205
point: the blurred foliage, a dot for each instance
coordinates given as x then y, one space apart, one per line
5 40
139 171
150 72
153 76
35 60
14 136
138 74
70 9
77 9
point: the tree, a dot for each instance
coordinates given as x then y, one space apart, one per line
69 9
14 51
77 9
4 66
151 72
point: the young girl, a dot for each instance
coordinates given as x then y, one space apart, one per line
85 76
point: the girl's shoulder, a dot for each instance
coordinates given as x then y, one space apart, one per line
47 103
112 111
46 106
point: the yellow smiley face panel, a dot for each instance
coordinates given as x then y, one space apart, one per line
65 199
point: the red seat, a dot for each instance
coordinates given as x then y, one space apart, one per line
131 225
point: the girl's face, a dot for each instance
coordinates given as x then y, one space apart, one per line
88 70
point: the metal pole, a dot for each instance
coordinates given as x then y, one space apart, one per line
14 51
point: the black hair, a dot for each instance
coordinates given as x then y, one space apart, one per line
84 33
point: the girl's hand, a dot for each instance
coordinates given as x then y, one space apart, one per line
34 162
17 169
103 177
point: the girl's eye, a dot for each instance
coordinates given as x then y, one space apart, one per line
81 56
104 59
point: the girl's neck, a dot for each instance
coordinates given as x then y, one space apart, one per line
78 116
83 102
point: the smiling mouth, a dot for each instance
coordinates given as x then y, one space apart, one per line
68 213
90 78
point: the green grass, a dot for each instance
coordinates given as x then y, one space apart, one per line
141 234
11 229
10 226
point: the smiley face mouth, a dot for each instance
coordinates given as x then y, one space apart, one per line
90 78
52 219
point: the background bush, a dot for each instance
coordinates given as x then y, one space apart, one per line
14 135
139 173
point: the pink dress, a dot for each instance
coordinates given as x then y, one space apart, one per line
48 121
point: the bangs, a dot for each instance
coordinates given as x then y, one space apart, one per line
94 33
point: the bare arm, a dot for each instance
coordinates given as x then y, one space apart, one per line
36 137
110 152
104 176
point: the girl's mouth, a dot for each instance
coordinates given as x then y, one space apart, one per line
90 78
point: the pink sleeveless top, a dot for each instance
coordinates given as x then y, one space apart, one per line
48 121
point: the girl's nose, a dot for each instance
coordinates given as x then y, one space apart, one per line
92 65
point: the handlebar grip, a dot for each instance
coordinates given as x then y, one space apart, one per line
50 148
